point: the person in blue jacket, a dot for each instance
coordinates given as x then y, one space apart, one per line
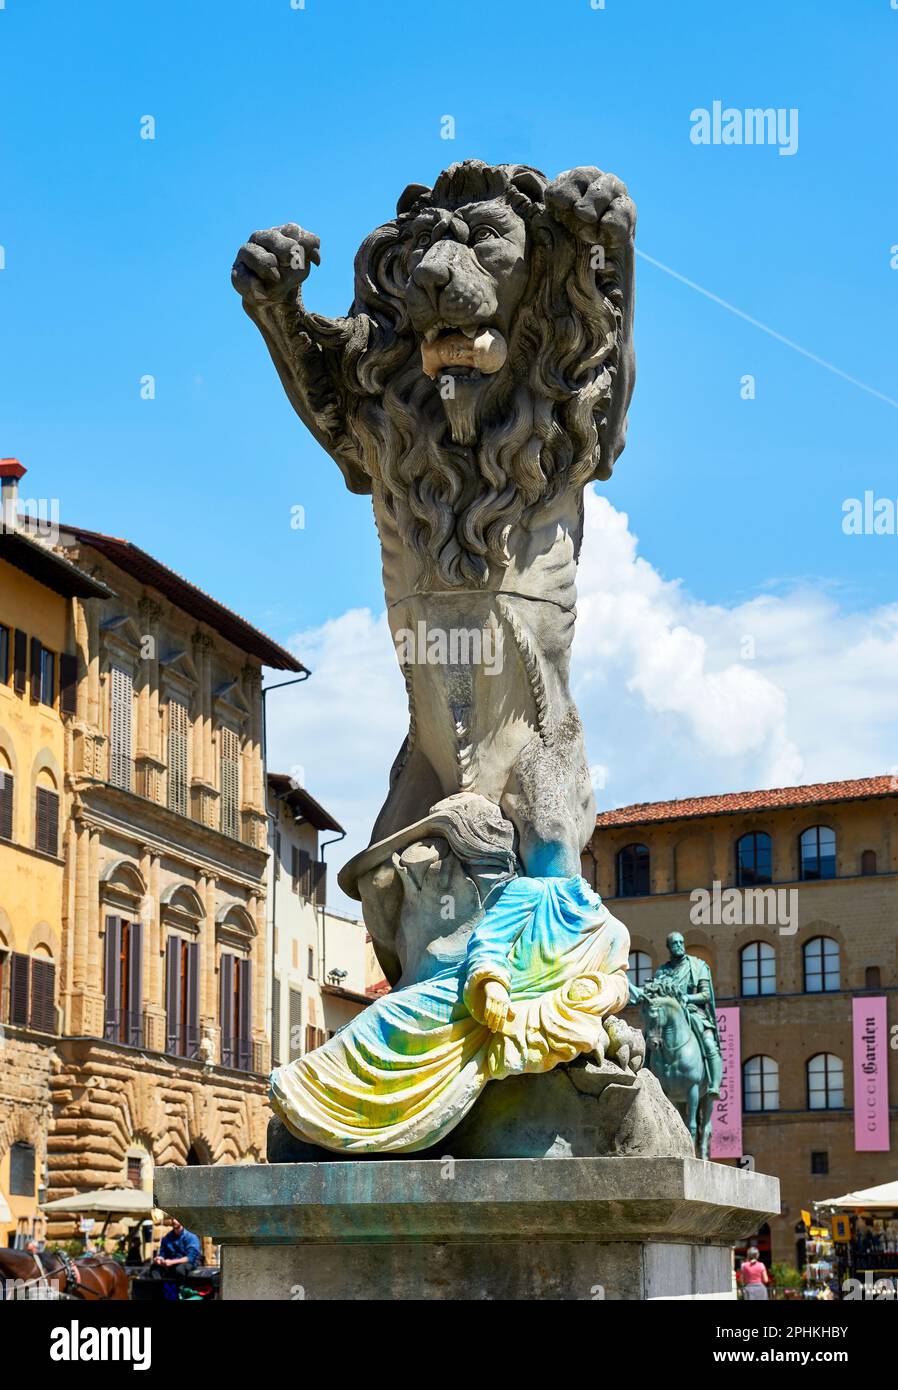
179 1252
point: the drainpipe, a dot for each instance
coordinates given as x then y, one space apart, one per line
322 934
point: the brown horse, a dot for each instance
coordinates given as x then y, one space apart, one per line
91 1277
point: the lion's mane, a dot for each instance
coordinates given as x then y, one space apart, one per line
553 419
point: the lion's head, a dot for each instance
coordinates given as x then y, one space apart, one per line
499 366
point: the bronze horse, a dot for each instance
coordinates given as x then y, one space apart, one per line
91 1277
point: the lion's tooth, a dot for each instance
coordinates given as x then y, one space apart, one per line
431 334
490 351
471 332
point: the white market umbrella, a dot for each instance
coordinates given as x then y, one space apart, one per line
885 1196
105 1201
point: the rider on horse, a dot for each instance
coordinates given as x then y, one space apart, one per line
688 979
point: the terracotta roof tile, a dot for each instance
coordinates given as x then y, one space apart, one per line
728 803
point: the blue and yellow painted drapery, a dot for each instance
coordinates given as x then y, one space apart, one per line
402 1074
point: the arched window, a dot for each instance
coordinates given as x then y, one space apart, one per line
754 859
633 863
46 814
760 1084
639 968
758 968
868 861
818 852
21 1169
821 965
123 951
826 1082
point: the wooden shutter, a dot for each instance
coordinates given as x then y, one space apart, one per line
6 804
134 1032
229 779
112 952
295 1039
20 662
68 683
319 882
35 669
177 756
46 829
43 995
302 865
18 989
192 1011
173 994
245 1015
226 1010
294 865
276 1021
121 702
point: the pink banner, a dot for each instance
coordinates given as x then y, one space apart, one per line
726 1132
870 1033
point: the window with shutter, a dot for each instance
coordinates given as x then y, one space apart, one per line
319 882
68 683
112 950
226 1009
121 704
48 677
4 654
46 829
20 662
244 1059
276 1022
178 757
302 872
43 992
173 995
229 782
295 1023
6 804
19 976
36 650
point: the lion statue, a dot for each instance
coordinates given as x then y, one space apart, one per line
480 380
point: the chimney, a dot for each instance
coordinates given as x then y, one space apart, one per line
10 473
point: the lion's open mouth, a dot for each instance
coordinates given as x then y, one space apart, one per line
462 352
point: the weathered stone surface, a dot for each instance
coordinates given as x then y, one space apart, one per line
473 1228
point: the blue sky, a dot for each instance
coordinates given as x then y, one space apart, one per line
118 253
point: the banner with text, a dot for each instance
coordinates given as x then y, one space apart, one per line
726 1134
870 1033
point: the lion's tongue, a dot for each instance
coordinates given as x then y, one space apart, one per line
486 353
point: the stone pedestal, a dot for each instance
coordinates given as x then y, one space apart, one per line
463 1229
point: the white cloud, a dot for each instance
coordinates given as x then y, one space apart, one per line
673 703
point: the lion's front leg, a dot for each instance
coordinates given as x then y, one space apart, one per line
307 350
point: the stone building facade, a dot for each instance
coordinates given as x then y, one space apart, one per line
318 976
164 1044
37 589
832 851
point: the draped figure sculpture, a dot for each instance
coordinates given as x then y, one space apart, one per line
478 383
